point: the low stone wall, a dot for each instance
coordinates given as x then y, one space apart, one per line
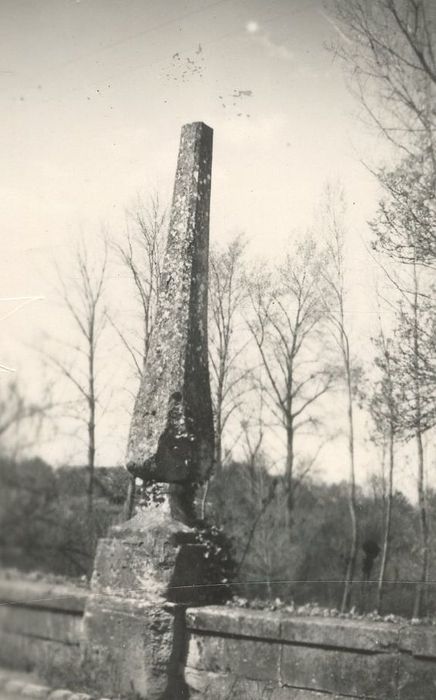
240 653
41 628
232 653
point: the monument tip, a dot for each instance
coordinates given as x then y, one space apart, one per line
197 125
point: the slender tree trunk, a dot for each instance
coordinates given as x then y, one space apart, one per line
218 448
91 435
352 505
218 422
387 527
91 463
203 502
269 576
419 605
289 469
418 608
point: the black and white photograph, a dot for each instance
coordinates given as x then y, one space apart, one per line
218 350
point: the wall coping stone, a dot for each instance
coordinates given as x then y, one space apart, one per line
335 633
43 595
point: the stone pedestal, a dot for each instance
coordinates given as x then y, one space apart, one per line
134 628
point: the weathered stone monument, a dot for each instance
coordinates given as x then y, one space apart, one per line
171 436
149 568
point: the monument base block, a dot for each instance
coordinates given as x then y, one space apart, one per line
134 649
145 574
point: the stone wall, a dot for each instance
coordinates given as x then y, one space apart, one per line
239 653
233 653
41 628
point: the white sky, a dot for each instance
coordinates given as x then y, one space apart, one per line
93 94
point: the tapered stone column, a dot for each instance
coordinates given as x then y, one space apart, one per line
171 435
147 569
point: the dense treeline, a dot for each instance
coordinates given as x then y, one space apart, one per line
311 565
44 518
44 527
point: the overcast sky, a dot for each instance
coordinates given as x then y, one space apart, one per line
94 92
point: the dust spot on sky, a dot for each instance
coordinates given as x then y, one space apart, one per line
235 101
183 67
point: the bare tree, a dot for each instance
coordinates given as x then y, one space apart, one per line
416 373
385 404
404 235
389 47
265 546
286 317
252 442
83 296
261 545
334 276
253 429
405 225
141 254
227 294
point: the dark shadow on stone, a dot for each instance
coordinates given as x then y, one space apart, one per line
177 688
194 582
197 576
